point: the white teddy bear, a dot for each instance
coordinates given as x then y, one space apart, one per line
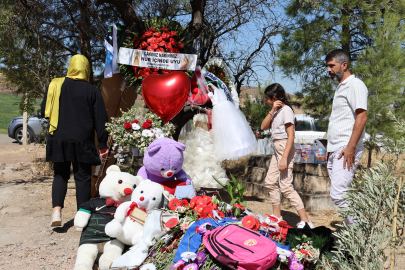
147 196
115 189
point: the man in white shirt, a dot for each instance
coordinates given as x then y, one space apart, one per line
346 126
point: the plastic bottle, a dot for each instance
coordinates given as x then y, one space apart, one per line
320 153
298 157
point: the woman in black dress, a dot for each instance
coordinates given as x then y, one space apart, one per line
75 109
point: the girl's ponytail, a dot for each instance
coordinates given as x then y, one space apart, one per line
276 90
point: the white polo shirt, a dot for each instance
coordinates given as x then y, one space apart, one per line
350 95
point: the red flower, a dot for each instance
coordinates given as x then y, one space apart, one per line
148 34
152 29
171 222
127 125
221 214
199 209
283 224
241 207
135 121
306 252
181 267
154 46
184 202
168 45
147 124
274 234
136 44
174 203
180 45
176 50
150 49
173 41
160 50
171 50
164 29
162 43
206 212
257 225
249 222
145 74
195 198
173 34
144 45
157 34
201 202
165 71
165 36
151 40
273 219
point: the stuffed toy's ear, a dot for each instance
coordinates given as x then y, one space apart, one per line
113 168
180 146
153 148
139 178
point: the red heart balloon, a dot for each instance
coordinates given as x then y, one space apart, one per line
165 95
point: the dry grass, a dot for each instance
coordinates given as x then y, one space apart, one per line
383 156
41 167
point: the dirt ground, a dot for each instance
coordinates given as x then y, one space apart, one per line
28 242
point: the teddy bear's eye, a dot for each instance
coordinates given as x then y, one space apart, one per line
134 186
119 181
162 169
141 191
154 198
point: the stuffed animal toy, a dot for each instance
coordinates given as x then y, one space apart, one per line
146 197
163 162
93 215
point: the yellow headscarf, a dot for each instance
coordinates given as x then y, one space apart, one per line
79 69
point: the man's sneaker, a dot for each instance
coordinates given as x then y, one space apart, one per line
301 225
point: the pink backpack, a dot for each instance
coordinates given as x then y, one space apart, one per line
240 248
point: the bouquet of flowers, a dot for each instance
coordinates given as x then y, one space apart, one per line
220 73
137 129
156 35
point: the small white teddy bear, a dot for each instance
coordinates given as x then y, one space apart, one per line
93 215
147 196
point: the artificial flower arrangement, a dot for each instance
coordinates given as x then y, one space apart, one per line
155 35
138 129
220 73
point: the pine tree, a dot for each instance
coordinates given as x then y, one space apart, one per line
382 68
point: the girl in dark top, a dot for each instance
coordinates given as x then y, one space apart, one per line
75 109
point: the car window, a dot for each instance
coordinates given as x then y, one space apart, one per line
303 125
319 128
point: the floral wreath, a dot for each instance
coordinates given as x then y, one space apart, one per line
157 35
220 73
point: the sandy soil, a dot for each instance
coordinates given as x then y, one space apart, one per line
28 242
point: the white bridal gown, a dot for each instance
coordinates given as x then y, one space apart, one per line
200 160
233 137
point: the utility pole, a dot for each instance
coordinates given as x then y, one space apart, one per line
25 123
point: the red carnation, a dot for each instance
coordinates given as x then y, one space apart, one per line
162 43
152 29
283 224
165 36
184 202
176 50
241 207
151 40
180 45
199 209
150 49
249 222
127 125
201 202
173 34
144 45
168 45
148 34
160 50
135 122
195 198
221 214
154 46
171 222
157 34
174 203
257 225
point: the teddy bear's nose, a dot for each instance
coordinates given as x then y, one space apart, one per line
127 191
141 199
169 174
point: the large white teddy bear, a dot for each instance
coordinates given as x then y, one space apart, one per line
115 189
147 196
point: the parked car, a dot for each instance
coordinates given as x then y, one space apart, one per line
307 130
34 128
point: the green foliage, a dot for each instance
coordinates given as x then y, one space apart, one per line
382 68
256 110
318 241
235 191
371 202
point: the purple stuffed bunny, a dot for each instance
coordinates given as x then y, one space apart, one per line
163 161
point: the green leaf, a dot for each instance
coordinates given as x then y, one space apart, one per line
219 182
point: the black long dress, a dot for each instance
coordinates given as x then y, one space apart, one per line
81 112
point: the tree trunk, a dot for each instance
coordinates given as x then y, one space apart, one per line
85 35
370 152
197 17
124 8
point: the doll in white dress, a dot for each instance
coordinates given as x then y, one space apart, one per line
233 137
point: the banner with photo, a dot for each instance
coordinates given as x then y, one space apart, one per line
160 60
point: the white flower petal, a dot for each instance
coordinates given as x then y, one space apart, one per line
149 266
188 256
135 126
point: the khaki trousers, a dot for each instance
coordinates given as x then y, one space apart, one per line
284 179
